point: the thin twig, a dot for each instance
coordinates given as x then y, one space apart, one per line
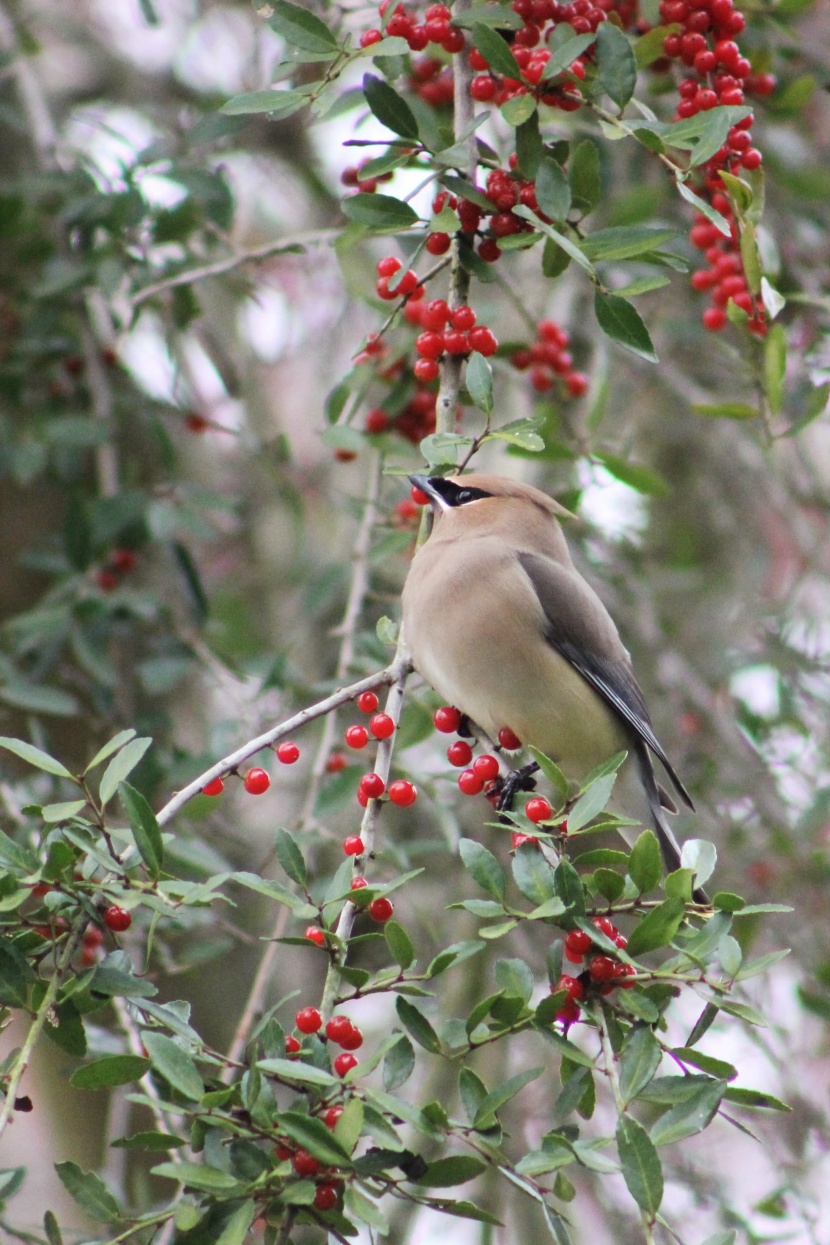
229 763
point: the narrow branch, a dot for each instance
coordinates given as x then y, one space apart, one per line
398 667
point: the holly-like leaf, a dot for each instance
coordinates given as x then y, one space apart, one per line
416 1023
553 191
108 1071
640 1164
277 104
34 756
616 64
639 1060
645 865
120 767
457 1169
290 856
315 1136
583 171
174 1064
620 321
533 874
496 51
301 28
625 241
111 746
486 1114
515 978
390 108
380 212
145 828
591 802
689 1117
398 1063
658 928
399 943
16 976
483 867
479 382
89 1191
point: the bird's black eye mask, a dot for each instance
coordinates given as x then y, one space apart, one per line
455 493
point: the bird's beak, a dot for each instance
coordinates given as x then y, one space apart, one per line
424 483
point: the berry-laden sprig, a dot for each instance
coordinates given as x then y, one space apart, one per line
550 362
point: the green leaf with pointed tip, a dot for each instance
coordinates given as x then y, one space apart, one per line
290 856
277 104
113 745
479 381
515 978
398 1063
399 943
108 1071
645 865
640 1164
380 211
620 321
616 64
291 1070
16 976
635 475
315 1136
533 874
486 1114
120 767
496 51
720 222
584 175
198 1176
552 772
89 1191
565 46
174 1064
775 367
301 28
483 868
755 1098
457 1169
390 108
145 828
416 1023
639 1060
518 110
553 191
725 410
690 1117
591 802
658 928
625 241
35 756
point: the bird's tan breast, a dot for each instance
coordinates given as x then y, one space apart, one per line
476 632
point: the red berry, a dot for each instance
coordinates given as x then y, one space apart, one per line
576 384
372 785
489 250
215 787
338 1028
604 968
369 37
538 809
407 284
288 752
520 839
332 1116
606 927
336 762
574 987
356 736
469 782
419 497
486 767
308 1020
482 340
426 370
353 845
577 942
256 781
358 884
430 345
305 1164
315 934
123 560
447 719
509 740
325 1197
714 318
463 319
460 753
344 1063
438 243
388 266
436 314
403 793
195 423
353 1040
93 936
456 343
107 581
382 726
367 702
381 909
117 919
752 159
292 1048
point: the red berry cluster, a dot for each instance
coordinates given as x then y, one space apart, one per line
402 24
550 362
558 91
364 185
90 944
448 332
719 75
119 563
604 972
483 773
432 80
344 1033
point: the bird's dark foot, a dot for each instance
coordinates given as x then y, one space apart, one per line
464 728
517 780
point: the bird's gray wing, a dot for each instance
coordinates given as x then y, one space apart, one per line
579 627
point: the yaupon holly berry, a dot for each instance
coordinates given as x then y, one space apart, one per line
382 726
337 1028
117 919
292 1046
353 845
332 1116
356 736
403 793
509 740
520 839
352 1040
336 762
367 702
446 719
308 1020
215 787
372 786
577 942
325 1195
288 752
315 934
256 781
460 753
357 884
469 782
305 1164
538 809
344 1063
486 767
381 909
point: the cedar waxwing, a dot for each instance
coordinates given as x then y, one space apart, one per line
501 623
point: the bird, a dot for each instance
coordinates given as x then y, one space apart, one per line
501 623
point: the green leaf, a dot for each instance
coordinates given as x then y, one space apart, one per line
293 1070
616 64
565 45
34 756
533 874
113 745
718 1068
635 475
704 133
479 381
569 888
457 1169
456 953
145 828
552 772
645 864
315 1136
50 1227
584 175
500 15
398 1063
483 867
553 191
690 1117
390 108
485 1116
198 1176
625 241
380 211
110 1070
290 856
529 147
554 259
520 432
301 28
496 51
68 1033
89 1191
120 766
658 928
755 1098
416 1023
399 943
518 110
16 975
620 321
640 1163
639 1060
365 1210
591 803
53 813
514 978
725 410
720 222
114 978
775 367
560 239
751 260
150 1140
174 1064
276 104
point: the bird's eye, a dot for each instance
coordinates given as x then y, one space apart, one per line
465 495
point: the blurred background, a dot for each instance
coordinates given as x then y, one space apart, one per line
178 524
